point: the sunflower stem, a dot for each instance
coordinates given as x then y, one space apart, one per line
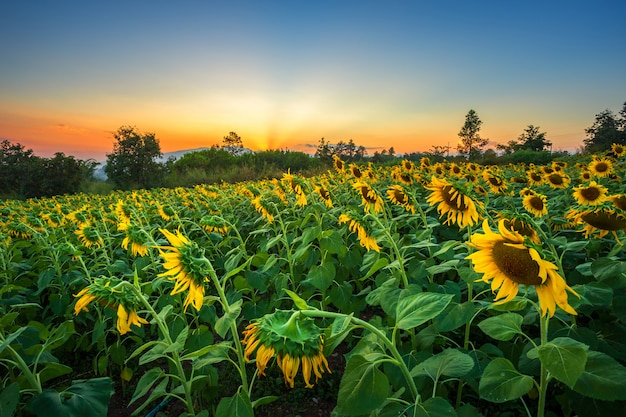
543 383
396 251
168 339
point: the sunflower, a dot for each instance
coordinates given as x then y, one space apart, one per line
293 339
407 165
324 194
135 237
123 300
214 224
260 207
506 262
496 184
601 167
166 212
586 175
536 204
604 219
618 150
458 207
340 166
370 199
89 236
425 162
527 191
397 195
557 180
184 264
522 227
590 195
356 171
534 177
296 186
356 226
619 201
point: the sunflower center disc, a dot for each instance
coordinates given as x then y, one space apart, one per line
516 264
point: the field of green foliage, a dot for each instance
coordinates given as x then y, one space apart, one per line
451 289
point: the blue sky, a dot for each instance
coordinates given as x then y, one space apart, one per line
285 74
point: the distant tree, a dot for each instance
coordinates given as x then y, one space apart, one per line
324 152
534 140
18 168
606 130
63 174
471 144
233 143
439 150
132 163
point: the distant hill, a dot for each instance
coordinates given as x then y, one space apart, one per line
100 175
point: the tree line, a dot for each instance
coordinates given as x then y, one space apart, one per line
133 162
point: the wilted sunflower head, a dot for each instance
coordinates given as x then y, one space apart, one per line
592 194
88 236
136 237
370 199
293 339
619 201
324 194
214 224
601 167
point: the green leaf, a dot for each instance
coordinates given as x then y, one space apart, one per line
415 309
88 397
223 323
299 302
433 407
501 382
603 378
146 382
455 317
238 405
380 263
363 387
502 327
53 370
565 358
9 398
321 276
333 243
450 362
443 267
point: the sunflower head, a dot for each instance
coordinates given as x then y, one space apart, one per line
453 202
604 219
214 224
397 195
601 167
357 225
136 237
89 236
618 150
506 262
324 194
557 180
592 194
340 166
536 204
370 200
293 339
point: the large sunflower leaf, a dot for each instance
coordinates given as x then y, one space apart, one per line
89 397
450 362
416 309
603 378
501 382
565 358
502 327
363 387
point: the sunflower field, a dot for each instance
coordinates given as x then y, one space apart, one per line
449 289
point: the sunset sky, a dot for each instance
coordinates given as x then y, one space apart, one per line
283 74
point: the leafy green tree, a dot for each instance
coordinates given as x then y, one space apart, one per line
324 152
471 144
63 174
534 140
19 167
233 143
132 163
606 130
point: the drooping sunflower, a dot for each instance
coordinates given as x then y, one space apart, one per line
297 186
89 236
324 194
135 237
356 226
293 339
619 201
214 224
590 195
370 200
121 299
356 171
602 219
536 204
397 195
165 211
184 265
601 167
260 207
458 207
506 262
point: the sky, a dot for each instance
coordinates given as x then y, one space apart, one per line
284 74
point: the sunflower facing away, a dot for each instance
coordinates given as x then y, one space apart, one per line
458 207
184 265
135 237
88 236
123 301
506 262
293 339
355 226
